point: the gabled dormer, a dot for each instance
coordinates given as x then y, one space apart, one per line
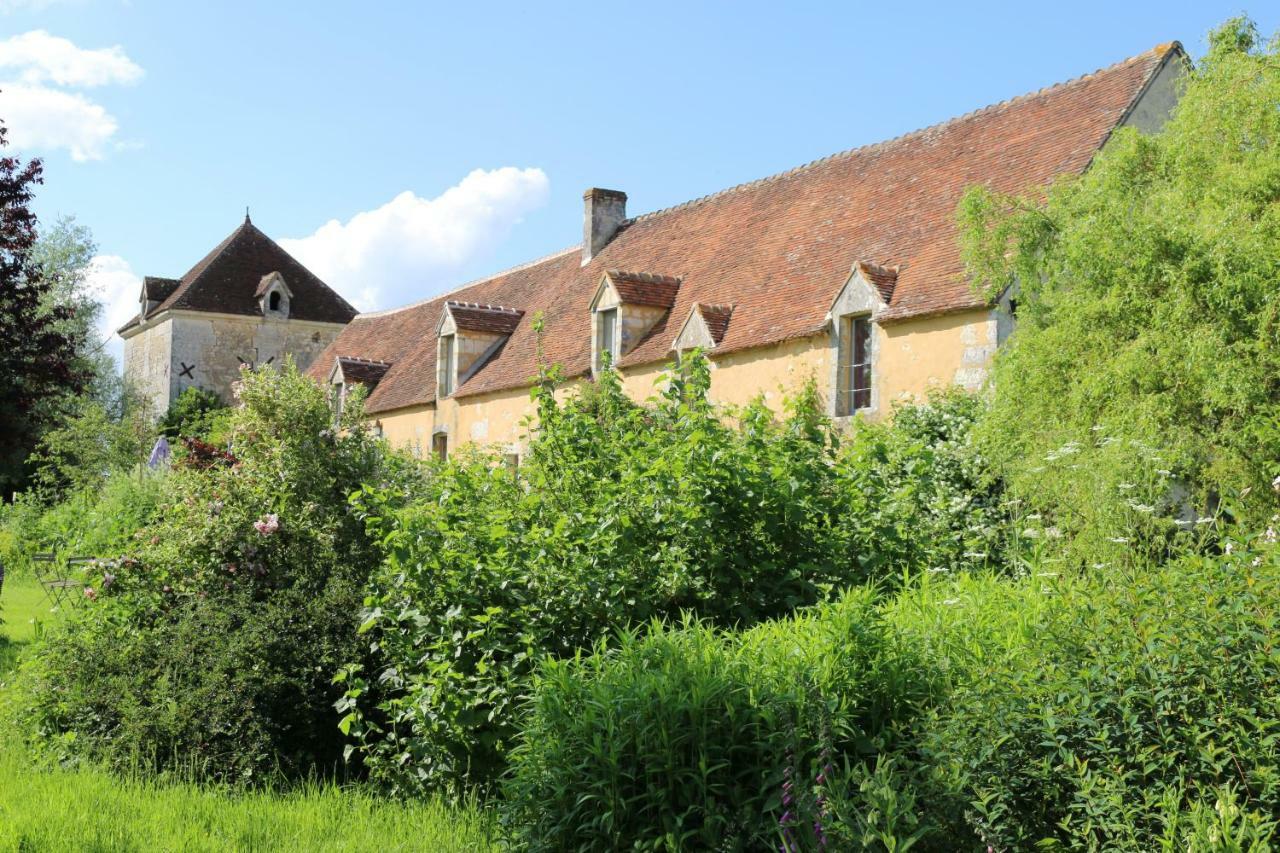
154 291
348 371
703 329
467 335
625 308
866 294
274 296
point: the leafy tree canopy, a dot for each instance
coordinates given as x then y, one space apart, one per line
38 362
1148 345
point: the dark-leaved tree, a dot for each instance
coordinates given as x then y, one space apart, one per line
39 369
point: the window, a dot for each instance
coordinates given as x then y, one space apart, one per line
338 398
274 302
448 364
607 337
511 461
440 446
853 389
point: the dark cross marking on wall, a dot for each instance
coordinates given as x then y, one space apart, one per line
186 370
251 364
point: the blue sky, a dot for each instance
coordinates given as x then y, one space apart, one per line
402 149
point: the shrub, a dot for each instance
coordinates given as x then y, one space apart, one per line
1147 314
209 647
620 514
194 413
1125 702
99 521
922 495
690 738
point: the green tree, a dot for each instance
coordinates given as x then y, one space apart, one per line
64 255
39 367
1143 379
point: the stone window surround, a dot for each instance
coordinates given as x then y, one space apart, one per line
857 298
276 292
633 322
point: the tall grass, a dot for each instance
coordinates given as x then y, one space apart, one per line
88 809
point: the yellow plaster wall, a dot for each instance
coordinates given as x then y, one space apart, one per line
911 358
933 352
407 429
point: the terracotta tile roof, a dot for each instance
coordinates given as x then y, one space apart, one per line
883 279
779 249
475 317
716 317
227 280
362 371
642 288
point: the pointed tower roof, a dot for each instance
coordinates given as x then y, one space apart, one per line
226 281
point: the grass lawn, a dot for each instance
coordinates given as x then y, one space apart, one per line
90 810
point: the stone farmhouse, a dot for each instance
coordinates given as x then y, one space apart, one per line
246 302
846 271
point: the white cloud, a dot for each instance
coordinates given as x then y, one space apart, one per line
39 57
114 283
38 117
409 247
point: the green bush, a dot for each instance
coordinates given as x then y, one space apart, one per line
1148 317
101 522
622 514
694 739
1120 704
195 413
210 646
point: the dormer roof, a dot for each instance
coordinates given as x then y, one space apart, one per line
226 281
716 317
481 317
883 279
268 280
359 371
643 288
158 289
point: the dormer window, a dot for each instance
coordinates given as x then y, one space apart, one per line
348 371
703 329
448 362
273 296
467 336
606 337
625 309
866 294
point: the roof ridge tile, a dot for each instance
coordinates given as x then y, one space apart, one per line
1160 49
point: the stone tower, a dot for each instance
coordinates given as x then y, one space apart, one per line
246 302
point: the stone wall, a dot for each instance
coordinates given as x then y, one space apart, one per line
188 349
146 363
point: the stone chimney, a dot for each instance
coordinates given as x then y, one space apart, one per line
603 212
